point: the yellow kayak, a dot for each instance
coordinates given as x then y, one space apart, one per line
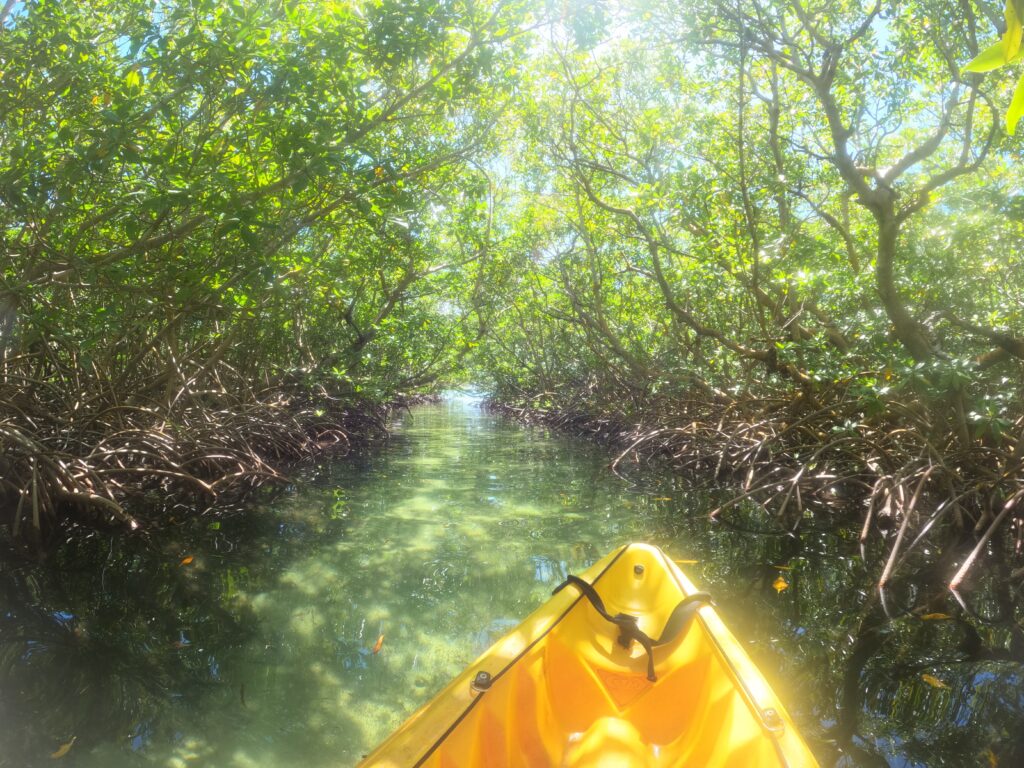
626 665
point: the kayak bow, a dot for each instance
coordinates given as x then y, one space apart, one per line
626 665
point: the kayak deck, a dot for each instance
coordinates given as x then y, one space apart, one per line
562 690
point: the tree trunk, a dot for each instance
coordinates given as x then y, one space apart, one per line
907 329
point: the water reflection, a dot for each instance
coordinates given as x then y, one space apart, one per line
249 641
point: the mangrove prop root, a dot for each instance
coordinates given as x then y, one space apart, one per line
101 457
887 469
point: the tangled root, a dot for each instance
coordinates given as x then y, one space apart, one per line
106 457
906 482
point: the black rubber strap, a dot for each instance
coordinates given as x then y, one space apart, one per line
629 630
588 592
681 617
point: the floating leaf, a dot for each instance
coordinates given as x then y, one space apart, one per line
933 681
378 644
780 583
935 617
187 560
63 749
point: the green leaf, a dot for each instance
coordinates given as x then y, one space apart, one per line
133 79
1016 108
1014 31
1008 49
989 59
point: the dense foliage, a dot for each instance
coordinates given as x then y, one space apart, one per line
219 210
781 238
784 240
777 244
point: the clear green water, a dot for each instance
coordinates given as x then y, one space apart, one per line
258 651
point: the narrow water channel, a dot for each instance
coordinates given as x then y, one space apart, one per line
302 632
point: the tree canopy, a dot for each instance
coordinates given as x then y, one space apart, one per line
790 213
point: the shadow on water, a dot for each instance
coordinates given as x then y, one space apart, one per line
249 640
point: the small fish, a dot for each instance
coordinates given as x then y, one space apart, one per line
378 644
662 498
241 695
783 567
687 562
935 617
63 749
780 584
933 681
186 560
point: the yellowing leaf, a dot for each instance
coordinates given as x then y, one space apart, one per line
63 749
989 59
1014 32
187 560
935 617
780 583
933 681
1016 108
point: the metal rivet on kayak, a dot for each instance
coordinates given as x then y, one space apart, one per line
772 718
638 570
481 682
